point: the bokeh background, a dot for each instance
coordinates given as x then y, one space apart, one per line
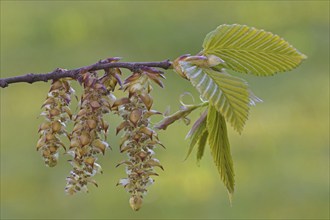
281 159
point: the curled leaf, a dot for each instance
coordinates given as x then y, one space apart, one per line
201 145
196 132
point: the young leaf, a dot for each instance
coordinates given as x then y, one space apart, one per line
228 94
201 145
249 50
220 148
196 132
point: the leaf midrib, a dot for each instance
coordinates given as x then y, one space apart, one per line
294 54
237 117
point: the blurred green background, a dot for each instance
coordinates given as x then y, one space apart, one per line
281 159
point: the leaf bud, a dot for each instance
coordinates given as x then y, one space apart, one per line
121 101
84 139
147 131
40 143
213 60
81 112
122 126
74 143
135 202
91 123
135 116
51 162
147 100
89 160
56 126
95 104
142 155
101 145
54 112
44 126
56 85
50 137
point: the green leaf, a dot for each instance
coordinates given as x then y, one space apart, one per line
249 50
220 148
228 94
195 133
201 145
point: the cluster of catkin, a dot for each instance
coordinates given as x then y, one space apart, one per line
139 139
88 137
89 132
57 113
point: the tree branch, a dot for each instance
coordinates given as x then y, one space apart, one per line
74 73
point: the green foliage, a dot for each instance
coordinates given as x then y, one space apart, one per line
242 49
220 148
228 94
211 127
249 50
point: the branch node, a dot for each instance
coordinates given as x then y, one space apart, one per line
168 64
30 78
60 70
136 67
